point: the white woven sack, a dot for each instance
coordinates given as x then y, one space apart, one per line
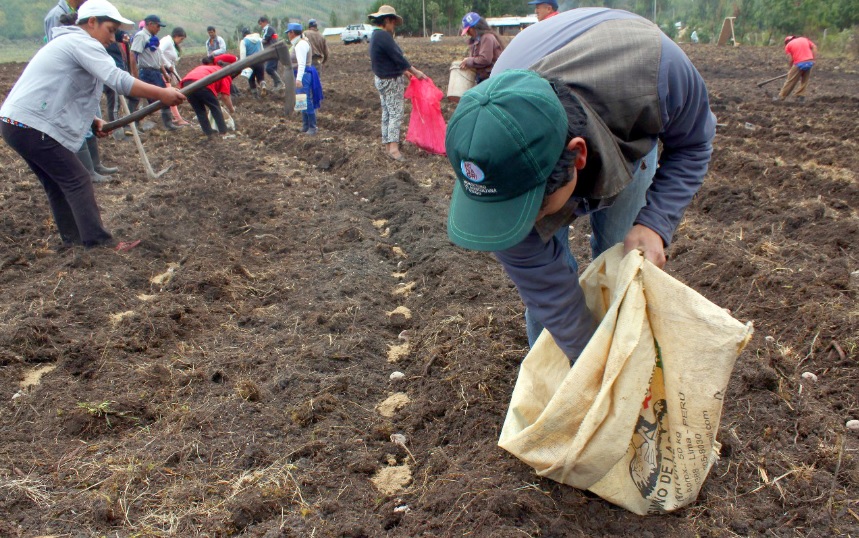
228 120
635 419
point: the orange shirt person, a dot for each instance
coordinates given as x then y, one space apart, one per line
802 53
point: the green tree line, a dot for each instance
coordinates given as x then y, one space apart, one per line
760 18
757 21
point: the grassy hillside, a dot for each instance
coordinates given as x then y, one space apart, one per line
22 19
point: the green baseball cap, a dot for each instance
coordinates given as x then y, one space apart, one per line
503 141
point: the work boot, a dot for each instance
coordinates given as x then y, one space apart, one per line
92 145
312 131
255 93
86 160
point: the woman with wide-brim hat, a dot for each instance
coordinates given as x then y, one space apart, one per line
390 67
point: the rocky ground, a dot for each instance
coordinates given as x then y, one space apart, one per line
231 375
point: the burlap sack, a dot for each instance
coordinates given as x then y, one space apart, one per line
635 419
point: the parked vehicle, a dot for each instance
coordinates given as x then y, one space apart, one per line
356 33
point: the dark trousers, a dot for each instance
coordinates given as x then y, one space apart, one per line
271 69
202 99
66 182
257 75
112 103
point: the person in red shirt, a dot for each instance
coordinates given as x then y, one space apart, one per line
207 97
802 53
226 58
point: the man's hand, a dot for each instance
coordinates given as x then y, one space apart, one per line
298 83
97 125
171 96
642 238
463 64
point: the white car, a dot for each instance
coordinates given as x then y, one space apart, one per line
356 33
435 38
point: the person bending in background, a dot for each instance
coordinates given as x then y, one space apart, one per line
46 122
484 46
207 98
389 69
802 53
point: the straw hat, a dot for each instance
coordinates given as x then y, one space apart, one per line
386 10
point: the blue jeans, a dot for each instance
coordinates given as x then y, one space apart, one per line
271 68
308 117
609 226
151 76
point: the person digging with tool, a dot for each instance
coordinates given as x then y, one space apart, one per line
147 64
46 123
65 14
269 38
802 53
170 48
553 136
252 44
207 98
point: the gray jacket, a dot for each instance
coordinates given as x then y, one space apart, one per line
52 19
58 92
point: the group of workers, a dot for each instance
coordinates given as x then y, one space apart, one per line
567 121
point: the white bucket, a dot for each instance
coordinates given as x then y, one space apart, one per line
461 80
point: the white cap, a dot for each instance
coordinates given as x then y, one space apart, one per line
101 8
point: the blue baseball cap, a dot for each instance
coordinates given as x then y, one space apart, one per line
469 20
294 27
552 3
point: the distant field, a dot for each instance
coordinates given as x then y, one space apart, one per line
18 51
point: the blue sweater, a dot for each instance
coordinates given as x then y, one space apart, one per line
641 95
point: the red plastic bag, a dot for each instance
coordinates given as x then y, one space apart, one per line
427 125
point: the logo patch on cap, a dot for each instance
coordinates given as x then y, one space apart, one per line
472 171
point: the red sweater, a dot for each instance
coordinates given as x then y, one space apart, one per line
220 87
